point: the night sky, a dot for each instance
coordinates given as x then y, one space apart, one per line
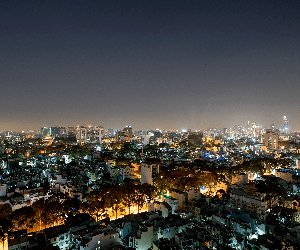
149 64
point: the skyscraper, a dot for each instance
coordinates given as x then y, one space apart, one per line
285 124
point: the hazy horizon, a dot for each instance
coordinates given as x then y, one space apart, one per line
120 127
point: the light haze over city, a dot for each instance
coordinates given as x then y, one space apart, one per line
149 64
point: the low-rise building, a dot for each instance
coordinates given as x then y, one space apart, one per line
250 199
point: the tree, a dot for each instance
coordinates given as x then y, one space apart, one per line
39 207
197 180
129 193
148 191
96 204
139 197
183 144
115 198
273 189
71 206
52 213
23 218
95 208
5 211
210 180
164 145
162 182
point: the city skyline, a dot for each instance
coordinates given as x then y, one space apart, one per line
149 64
247 127
116 127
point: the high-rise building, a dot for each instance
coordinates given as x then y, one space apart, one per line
124 135
70 131
90 134
94 134
254 130
271 139
44 131
51 131
285 124
128 131
148 172
195 138
81 134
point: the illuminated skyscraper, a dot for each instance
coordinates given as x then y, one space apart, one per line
254 130
285 124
